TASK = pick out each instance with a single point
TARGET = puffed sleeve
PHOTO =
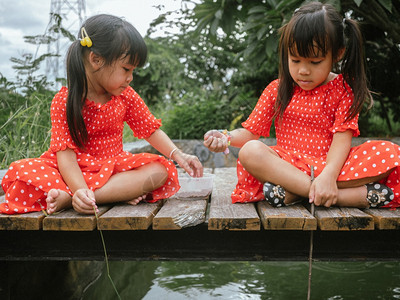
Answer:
(60, 136)
(346, 98)
(138, 116)
(260, 120)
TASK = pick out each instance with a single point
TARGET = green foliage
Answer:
(256, 24)
(26, 133)
(191, 119)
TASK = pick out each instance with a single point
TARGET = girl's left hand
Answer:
(190, 163)
(83, 201)
(324, 190)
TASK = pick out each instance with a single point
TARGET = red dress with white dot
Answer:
(304, 135)
(28, 181)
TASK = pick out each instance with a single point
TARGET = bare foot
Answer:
(139, 199)
(57, 200)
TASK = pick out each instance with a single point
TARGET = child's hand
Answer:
(215, 141)
(190, 163)
(83, 201)
(324, 191)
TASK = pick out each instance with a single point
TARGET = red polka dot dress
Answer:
(28, 181)
(305, 134)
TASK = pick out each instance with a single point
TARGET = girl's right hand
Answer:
(84, 202)
(215, 141)
(190, 163)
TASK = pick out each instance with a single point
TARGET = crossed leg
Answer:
(129, 186)
(264, 164)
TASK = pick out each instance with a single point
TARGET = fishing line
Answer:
(106, 256)
(311, 244)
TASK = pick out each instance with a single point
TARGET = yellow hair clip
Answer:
(85, 41)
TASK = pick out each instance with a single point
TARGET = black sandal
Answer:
(378, 194)
(274, 194)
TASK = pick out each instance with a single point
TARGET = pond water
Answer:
(247, 280)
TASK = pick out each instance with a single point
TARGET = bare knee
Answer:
(157, 175)
(253, 151)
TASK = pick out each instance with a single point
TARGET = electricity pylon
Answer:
(66, 16)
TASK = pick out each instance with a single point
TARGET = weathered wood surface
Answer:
(214, 229)
(385, 218)
(177, 214)
(129, 217)
(294, 217)
(218, 213)
(29, 221)
(70, 220)
(339, 219)
(224, 215)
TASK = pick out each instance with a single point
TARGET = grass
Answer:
(26, 133)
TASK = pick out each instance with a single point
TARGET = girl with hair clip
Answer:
(316, 114)
(85, 164)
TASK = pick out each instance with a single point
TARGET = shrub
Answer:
(191, 119)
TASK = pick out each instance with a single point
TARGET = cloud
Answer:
(27, 16)
(19, 18)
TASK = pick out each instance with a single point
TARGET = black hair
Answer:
(319, 27)
(113, 38)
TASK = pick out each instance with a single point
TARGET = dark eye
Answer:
(295, 61)
(316, 62)
(126, 69)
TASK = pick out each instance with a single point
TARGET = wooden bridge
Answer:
(210, 228)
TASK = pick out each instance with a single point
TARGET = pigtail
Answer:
(286, 83)
(109, 37)
(77, 93)
(353, 67)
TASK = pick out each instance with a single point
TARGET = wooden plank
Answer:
(27, 221)
(70, 220)
(129, 217)
(343, 219)
(179, 213)
(185, 209)
(224, 215)
(384, 218)
(293, 217)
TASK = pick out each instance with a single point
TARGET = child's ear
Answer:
(340, 54)
(96, 61)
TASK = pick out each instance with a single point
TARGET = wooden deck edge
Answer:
(128, 217)
(385, 218)
(294, 217)
(199, 243)
(343, 219)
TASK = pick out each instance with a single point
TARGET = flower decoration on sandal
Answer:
(274, 194)
(378, 194)
(86, 40)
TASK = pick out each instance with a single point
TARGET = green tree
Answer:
(254, 25)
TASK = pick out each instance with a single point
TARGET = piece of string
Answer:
(311, 244)
(106, 256)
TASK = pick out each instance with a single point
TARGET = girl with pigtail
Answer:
(316, 115)
(85, 164)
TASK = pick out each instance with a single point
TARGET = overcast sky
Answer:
(19, 18)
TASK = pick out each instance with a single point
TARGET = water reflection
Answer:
(249, 280)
